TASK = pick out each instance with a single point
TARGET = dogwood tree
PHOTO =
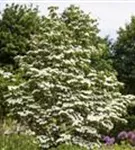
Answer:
(64, 98)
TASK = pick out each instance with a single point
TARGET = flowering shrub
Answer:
(5, 81)
(64, 98)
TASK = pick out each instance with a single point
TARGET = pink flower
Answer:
(122, 135)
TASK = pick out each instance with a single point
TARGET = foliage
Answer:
(123, 146)
(21, 142)
(124, 55)
(18, 142)
(64, 99)
(7, 79)
(17, 24)
(68, 147)
(130, 125)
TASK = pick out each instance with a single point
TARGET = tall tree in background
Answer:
(17, 24)
(124, 56)
(124, 63)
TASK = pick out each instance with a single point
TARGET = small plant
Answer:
(124, 140)
(109, 140)
(128, 137)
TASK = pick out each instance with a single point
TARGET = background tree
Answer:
(65, 98)
(124, 62)
(17, 24)
(124, 56)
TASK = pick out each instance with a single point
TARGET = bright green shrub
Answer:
(64, 98)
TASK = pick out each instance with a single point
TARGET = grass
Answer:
(23, 142)
(113, 147)
(68, 147)
(118, 147)
(18, 142)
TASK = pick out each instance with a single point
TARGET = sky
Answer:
(111, 14)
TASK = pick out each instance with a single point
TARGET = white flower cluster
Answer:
(5, 75)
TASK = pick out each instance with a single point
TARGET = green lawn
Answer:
(17, 142)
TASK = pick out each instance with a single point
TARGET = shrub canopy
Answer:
(64, 98)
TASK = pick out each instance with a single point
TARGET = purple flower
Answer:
(130, 134)
(122, 135)
(108, 140)
(111, 141)
(132, 139)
